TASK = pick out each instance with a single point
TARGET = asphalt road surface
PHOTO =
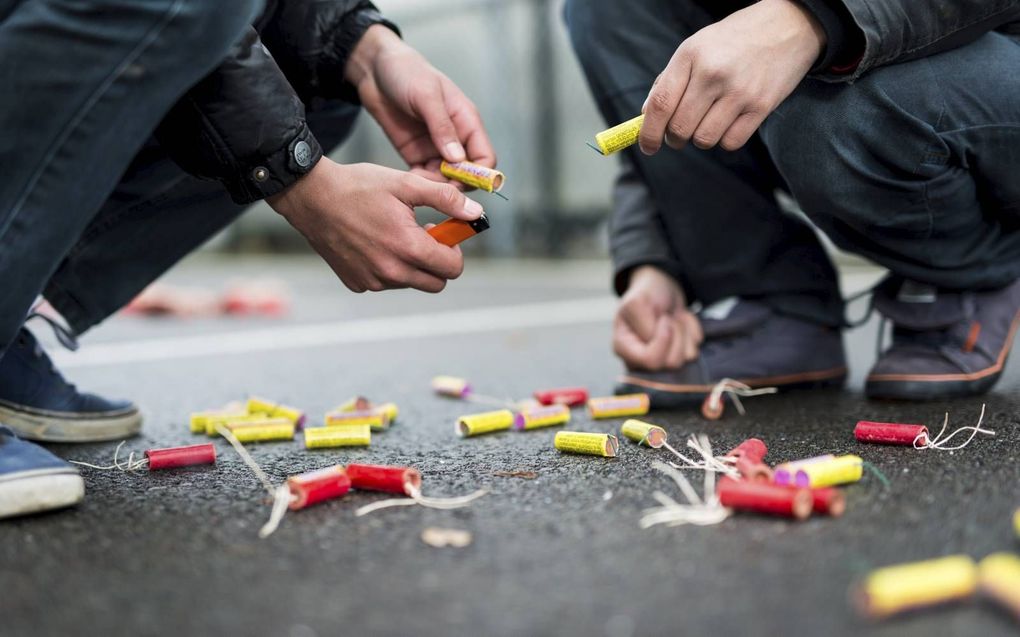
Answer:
(177, 553)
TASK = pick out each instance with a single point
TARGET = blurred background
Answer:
(513, 59)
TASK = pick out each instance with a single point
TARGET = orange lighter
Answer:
(453, 231)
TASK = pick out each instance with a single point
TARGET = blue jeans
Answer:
(91, 209)
(914, 166)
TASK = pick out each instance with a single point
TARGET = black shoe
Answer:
(944, 344)
(753, 345)
(38, 404)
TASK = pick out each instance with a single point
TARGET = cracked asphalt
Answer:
(176, 552)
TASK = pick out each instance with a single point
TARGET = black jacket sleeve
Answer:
(315, 65)
(636, 232)
(244, 124)
(880, 32)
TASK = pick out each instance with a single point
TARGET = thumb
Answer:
(432, 108)
(444, 197)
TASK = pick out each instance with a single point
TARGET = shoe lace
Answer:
(930, 338)
(64, 335)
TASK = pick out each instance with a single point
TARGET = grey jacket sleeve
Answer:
(900, 30)
(636, 232)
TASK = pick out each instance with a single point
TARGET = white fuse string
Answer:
(281, 495)
(708, 463)
(735, 389)
(415, 497)
(923, 441)
(128, 465)
(697, 511)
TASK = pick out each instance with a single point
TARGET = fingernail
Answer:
(644, 105)
(472, 207)
(455, 151)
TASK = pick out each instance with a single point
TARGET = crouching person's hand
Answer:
(653, 329)
(360, 219)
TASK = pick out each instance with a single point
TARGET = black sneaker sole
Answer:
(53, 426)
(668, 396)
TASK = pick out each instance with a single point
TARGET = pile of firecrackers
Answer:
(738, 481)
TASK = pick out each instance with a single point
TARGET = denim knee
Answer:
(854, 152)
(204, 31)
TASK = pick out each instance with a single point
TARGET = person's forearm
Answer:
(376, 39)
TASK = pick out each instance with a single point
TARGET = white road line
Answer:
(408, 326)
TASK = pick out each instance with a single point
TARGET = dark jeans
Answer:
(91, 209)
(915, 166)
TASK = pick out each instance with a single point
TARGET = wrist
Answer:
(376, 39)
(807, 30)
(650, 275)
(287, 201)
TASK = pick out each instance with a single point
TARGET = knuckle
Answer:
(660, 102)
(730, 143)
(679, 129)
(449, 197)
(391, 274)
(705, 140)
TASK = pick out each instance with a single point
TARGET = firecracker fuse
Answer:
(895, 589)
(763, 497)
(619, 406)
(474, 175)
(189, 456)
(620, 136)
(999, 579)
(644, 433)
(889, 433)
(486, 423)
(370, 477)
(569, 396)
(276, 410)
(542, 416)
(592, 444)
(374, 417)
(454, 231)
(343, 436)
